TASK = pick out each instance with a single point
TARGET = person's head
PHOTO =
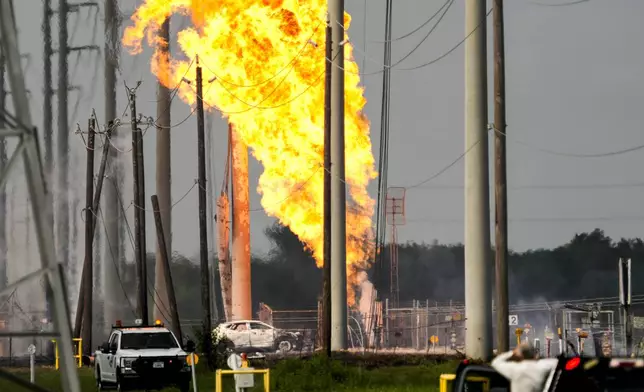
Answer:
(524, 351)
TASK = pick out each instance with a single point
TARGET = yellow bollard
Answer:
(78, 356)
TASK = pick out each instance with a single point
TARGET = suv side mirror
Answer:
(105, 348)
(190, 346)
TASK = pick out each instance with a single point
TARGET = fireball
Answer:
(263, 67)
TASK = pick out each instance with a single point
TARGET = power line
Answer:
(547, 186)
(256, 106)
(446, 7)
(560, 4)
(559, 153)
(444, 169)
(574, 155)
(437, 59)
(113, 257)
(537, 219)
(414, 31)
(290, 64)
(147, 277)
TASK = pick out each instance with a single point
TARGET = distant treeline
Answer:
(286, 278)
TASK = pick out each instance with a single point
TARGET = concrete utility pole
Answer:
(114, 298)
(338, 189)
(203, 235)
(241, 269)
(500, 182)
(139, 212)
(164, 181)
(88, 271)
(478, 295)
(3, 190)
(34, 176)
(326, 290)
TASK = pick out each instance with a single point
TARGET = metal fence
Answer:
(439, 327)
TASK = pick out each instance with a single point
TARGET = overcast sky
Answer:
(574, 86)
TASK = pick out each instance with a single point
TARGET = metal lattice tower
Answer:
(20, 126)
(395, 210)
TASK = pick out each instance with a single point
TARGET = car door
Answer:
(261, 335)
(114, 347)
(239, 334)
(108, 365)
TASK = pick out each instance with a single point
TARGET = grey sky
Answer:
(574, 85)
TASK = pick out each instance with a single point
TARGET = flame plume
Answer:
(264, 60)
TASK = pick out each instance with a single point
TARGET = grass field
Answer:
(312, 375)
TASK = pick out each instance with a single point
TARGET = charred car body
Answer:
(244, 335)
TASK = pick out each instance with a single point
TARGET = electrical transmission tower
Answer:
(20, 126)
(395, 210)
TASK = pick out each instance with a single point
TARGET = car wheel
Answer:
(285, 344)
(120, 384)
(97, 376)
(225, 347)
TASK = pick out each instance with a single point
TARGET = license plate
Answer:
(157, 365)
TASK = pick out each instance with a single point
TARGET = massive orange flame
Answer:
(263, 65)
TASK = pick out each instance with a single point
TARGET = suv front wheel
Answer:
(121, 384)
(97, 376)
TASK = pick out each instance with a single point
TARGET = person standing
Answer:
(521, 367)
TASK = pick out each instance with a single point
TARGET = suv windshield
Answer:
(142, 340)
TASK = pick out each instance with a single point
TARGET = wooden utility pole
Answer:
(62, 142)
(63, 228)
(172, 300)
(163, 177)
(500, 184)
(96, 203)
(139, 212)
(48, 94)
(203, 235)
(326, 290)
(88, 270)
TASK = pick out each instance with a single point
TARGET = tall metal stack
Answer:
(241, 291)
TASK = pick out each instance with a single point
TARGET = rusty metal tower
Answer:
(395, 211)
